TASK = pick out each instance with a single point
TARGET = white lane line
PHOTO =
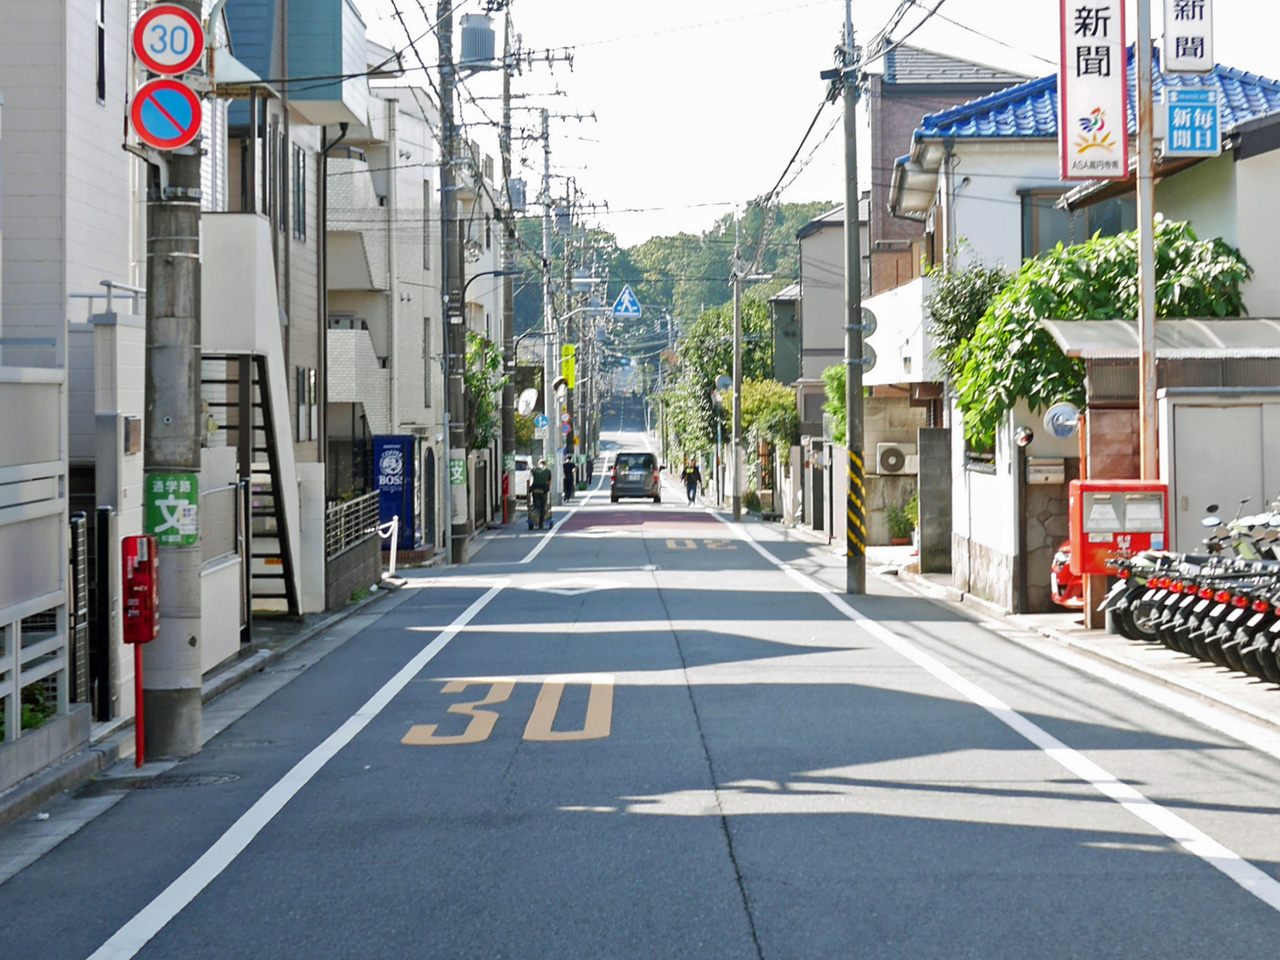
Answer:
(134, 935)
(1262, 885)
(546, 537)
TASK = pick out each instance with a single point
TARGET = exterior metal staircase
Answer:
(238, 391)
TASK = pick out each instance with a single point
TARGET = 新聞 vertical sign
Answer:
(1092, 97)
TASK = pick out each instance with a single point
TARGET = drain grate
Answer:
(165, 781)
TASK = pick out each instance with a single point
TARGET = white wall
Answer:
(1206, 196)
(822, 304)
(902, 336)
(67, 184)
(987, 210)
(1258, 216)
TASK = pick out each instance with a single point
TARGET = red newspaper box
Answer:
(141, 596)
(1116, 518)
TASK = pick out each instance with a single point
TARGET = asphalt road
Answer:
(654, 734)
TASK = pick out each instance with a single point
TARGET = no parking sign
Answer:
(166, 114)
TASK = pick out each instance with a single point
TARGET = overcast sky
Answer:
(700, 103)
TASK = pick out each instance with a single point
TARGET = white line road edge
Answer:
(1255, 881)
(134, 935)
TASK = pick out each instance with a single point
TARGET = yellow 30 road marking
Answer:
(597, 725)
(599, 722)
(693, 545)
(482, 721)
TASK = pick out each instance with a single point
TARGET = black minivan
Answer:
(635, 475)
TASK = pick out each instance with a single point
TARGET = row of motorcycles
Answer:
(1222, 605)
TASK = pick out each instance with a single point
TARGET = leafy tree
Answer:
(524, 433)
(833, 383)
(483, 379)
(705, 352)
(1010, 357)
(958, 302)
(769, 412)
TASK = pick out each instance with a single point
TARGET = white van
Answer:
(524, 470)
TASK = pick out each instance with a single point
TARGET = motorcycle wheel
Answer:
(1182, 633)
(1166, 625)
(1142, 618)
(1251, 652)
(1232, 648)
(1213, 643)
(1269, 659)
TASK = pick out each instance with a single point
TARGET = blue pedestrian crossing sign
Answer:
(626, 307)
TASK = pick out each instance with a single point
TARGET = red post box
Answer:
(1116, 518)
(141, 597)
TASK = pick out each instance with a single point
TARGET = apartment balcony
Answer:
(357, 375)
(356, 222)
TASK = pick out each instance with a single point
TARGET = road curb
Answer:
(72, 771)
(951, 595)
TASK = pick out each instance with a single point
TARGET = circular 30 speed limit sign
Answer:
(168, 39)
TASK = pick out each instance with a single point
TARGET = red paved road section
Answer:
(639, 520)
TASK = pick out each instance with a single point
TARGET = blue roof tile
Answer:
(1031, 109)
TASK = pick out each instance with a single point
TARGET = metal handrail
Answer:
(138, 293)
(348, 523)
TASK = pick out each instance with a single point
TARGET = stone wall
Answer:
(982, 571)
(935, 500)
(356, 568)
(1047, 527)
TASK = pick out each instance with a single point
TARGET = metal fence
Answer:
(346, 524)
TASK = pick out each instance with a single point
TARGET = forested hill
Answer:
(682, 274)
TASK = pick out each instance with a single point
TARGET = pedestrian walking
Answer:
(692, 477)
(539, 490)
(570, 480)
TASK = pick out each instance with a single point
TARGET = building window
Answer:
(299, 194)
(1044, 226)
(307, 404)
(282, 157)
(102, 51)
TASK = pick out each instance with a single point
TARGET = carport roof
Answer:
(1175, 339)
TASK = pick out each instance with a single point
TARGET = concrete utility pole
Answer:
(1147, 426)
(855, 505)
(735, 442)
(171, 686)
(508, 288)
(550, 404)
(455, 330)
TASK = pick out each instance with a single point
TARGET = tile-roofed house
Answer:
(983, 178)
(1031, 109)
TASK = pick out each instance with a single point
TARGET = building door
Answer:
(1217, 458)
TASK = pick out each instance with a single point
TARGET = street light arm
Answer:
(487, 273)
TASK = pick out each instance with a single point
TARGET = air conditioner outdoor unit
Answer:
(897, 458)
